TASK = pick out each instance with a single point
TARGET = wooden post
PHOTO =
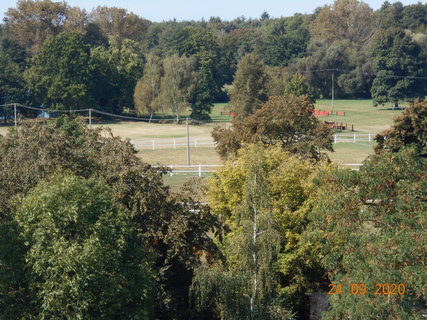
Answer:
(14, 111)
(154, 145)
(188, 142)
(90, 118)
(200, 170)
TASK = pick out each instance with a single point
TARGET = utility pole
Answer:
(14, 111)
(333, 78)
(90, 118)
(188, 142)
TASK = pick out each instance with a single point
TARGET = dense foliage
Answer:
(173, 228)
(263, 198)
(286, 121)
(410, 128)
(371, 229)
(364, 53)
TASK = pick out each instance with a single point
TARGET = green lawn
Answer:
(360, 113)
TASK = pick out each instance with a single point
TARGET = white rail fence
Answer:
(176, 143)
(200, 169)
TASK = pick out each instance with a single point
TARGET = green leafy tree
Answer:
(285, 40)
(61, 74)
(371, 225)
(119, 67)
(249, 88)
(147, 88)
(177, 83)
(296, 85)
(175, 229)
(98, 270)
(12, 84)
(395, 59)
(410, 128)
(285, 121)
(263, 198)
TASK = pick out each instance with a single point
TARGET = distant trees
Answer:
(177, 83)
(61, 74)
(396, 58)
(249, 87)
(334, 41)
(147, 89)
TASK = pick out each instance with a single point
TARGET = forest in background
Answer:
(64, 57)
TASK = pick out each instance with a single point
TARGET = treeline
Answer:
(64, 57)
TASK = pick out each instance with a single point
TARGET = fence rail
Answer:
(176, 143)
(199, 169)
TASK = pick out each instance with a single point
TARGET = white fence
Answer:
(199, 169)
(155, 144)
(354, 137)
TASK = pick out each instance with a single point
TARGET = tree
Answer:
(284, 121)
(350, 20)
(61, 74)
(33, 22)
(119, 67)
(285, 40)
(249, 88)
(263, 198)
(296, 85)
(148, 87)
(119, 23)
(370, 225)
(12, 84)
(177, 83)
(396, 59)
(99, 270)
(410, 128)
(175, 229)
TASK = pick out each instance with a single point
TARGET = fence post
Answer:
(335, 138)
(154, 146)
(174, 143)
(369, 138)
(171, 167)
(195, 143)
(354, 138)
(14, 111)
(200, 170)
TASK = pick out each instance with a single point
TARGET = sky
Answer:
(161, 10)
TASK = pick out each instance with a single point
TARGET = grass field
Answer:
(360, 113)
